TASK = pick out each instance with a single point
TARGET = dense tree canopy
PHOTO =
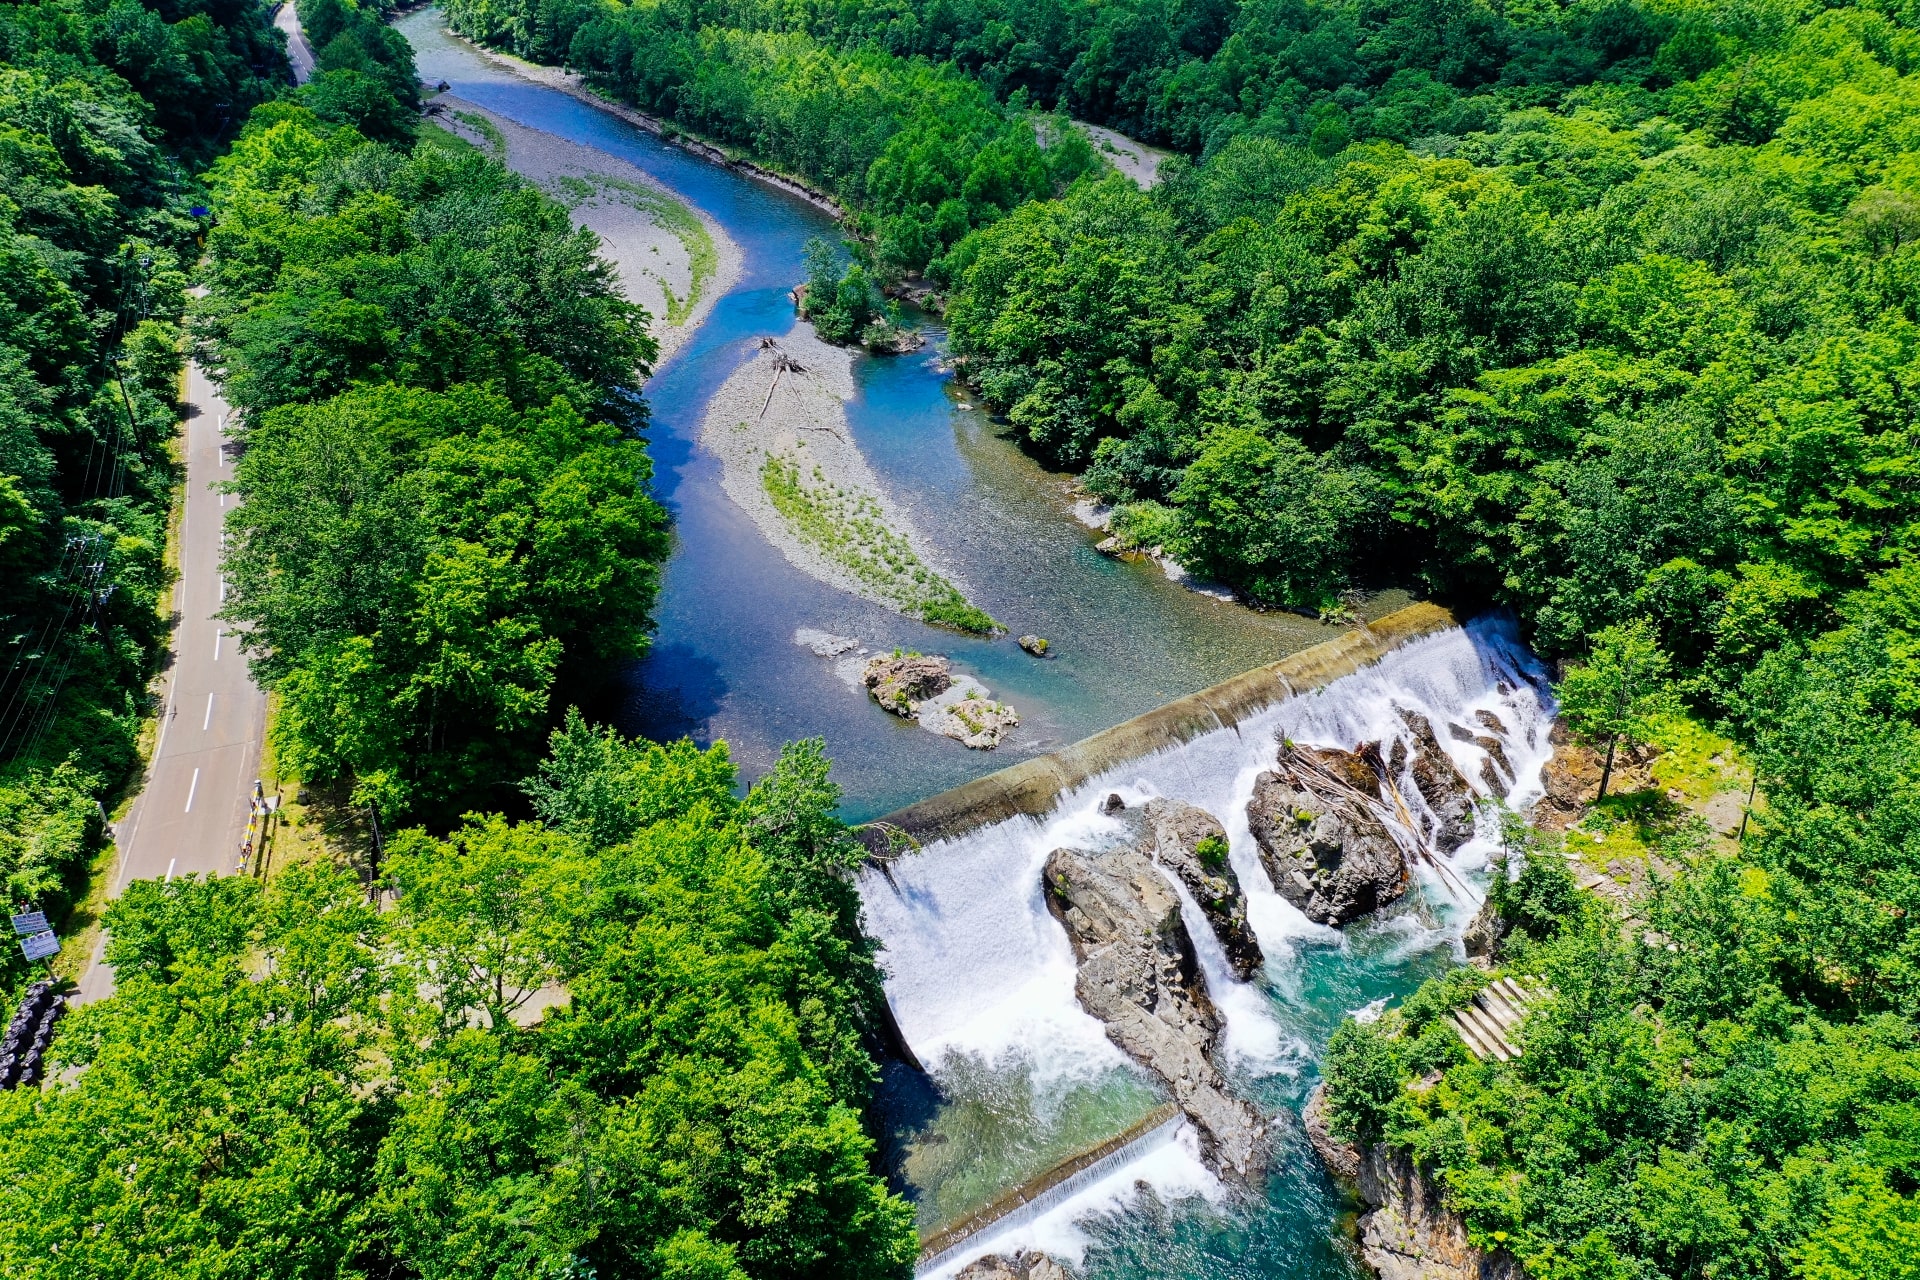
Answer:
(1730, 1085)
(363, 72)
(1601, 311)
(631, 1041)
(104, 111)
(918, 151)
(1192, 74)
(1625, 355)
(445, 500)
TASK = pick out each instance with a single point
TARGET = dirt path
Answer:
(1137, 160)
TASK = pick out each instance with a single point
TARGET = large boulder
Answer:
(1496, 771)
(1192, 844)
(1440, 783)
(1023, 1265)
(968, 714)
(900, 682)
(1325, 849)
(1485, 932)
(1139, 976)
(1571, 778)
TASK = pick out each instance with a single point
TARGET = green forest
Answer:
(1600, 312)
(1604, 313)
(446, 517)
(445, 495)
(106, 114)
(290, 1082)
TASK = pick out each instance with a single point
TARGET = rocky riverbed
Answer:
(779, 428)
(920, 687)
(926, 688)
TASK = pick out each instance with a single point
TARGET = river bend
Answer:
(979, 977)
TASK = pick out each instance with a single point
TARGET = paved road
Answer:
(299, 52)
(193, 812)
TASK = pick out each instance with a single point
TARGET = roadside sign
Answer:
(40, 946)
(28, 923)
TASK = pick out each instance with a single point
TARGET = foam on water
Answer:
(1252, 1036)
(977, 967)
(1172, 1168)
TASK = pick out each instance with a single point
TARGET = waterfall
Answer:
(979, 973)
(1252, 1035)
(1005, 1227)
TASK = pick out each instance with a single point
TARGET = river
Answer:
(724, 665)
(974, 964)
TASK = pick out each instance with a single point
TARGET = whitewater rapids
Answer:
(980, 976)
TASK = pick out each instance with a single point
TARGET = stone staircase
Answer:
(1488, 1024)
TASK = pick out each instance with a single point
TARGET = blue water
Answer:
(724, 665)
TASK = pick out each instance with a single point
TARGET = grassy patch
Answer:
(702, 258)
(314, 823)
(851, 530)
(1698, 763)
(446, 140)
(1699, 784)
(80, 932)
(495, 141)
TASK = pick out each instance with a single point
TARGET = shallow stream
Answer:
(980, 976)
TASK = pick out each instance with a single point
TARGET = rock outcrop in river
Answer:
(1440, 783)
(902, 681)
(1139, 975)
(1325, 848)
(1014, 1266)
(923, 687)
(1192, 844)
(969, 715)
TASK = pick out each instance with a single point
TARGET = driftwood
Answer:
(1311, 775)
(782, 363)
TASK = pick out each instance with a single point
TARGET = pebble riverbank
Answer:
(787, 406)
(664, 251)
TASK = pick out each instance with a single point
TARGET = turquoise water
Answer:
(724, 665)
(983, 985)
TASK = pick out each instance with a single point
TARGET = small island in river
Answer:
(779, 428)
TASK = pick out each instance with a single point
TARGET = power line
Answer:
(35, 694)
